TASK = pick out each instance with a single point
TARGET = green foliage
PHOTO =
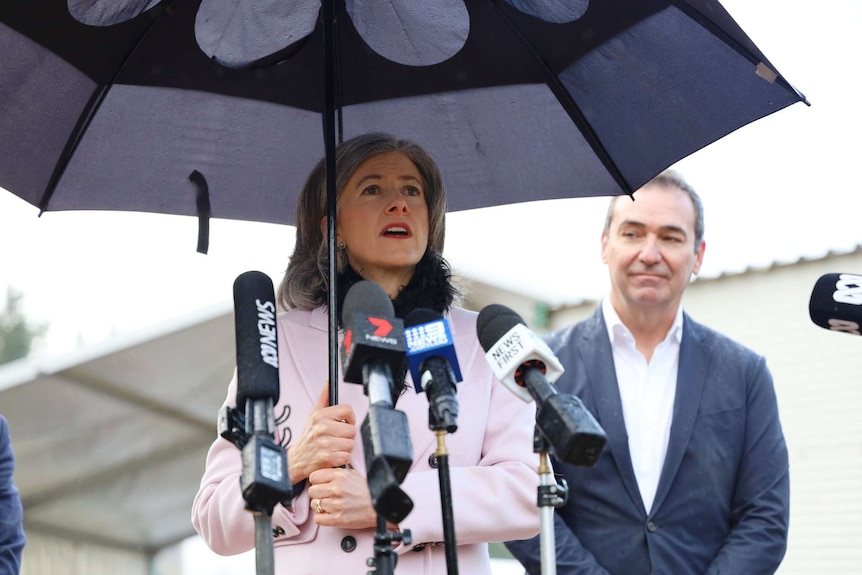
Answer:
(16, 334)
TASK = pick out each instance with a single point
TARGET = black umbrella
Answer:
(214, 107)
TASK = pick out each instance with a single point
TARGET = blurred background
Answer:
(117, 337)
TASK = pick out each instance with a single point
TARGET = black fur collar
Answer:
(430, 287)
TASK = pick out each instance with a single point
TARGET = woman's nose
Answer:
(397, 205)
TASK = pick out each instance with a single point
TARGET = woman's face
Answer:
(383, 219)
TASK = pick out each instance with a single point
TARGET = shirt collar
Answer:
(616, 327)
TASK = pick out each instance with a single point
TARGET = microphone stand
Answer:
(388, 456)
(264, 480)
(385, 559)
(450, 546)
(442, 418)
(550, 495)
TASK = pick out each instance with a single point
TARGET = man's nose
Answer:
(650, 252)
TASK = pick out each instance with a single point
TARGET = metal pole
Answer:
(451, 546)
(328, 10)
(547, 542)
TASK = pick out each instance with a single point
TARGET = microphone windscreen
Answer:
(368, 298)
(420, 315)
(256, 339)
(836, 303)
(494, 322)
(371, 332)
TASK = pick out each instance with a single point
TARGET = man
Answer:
(11, 515)
(694, 477)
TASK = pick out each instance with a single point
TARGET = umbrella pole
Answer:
(328, 11)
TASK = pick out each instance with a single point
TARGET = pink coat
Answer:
(492, 466)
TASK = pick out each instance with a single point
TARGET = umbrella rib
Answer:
(569, 105)
(83, 123)
(720, 33)
(72, 142)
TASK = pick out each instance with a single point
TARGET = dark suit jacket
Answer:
(11, 514)
(722, 504)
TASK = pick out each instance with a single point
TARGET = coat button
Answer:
(651, 527)
(348, 544)
(432, 461)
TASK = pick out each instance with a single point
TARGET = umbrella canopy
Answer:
(115, 105)
(220, 108)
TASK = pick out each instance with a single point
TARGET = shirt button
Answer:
(348, 544)
(651, 527)
(432, 461)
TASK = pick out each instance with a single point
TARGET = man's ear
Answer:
(698, 257)
(604, 247)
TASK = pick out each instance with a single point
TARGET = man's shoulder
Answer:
(715, 341)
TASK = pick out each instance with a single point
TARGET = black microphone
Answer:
(264, 480)
(256, 341)
(434, 366)
(373, 349)
(836, 303)
(528, 367)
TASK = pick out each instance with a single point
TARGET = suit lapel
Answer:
(691, 378)
(601, 378)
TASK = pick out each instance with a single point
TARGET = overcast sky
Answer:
(782, 188)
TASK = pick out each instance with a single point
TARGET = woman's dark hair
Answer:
(305, 282)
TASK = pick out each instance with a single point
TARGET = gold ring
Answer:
(318, 508)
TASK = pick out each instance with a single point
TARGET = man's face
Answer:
(650, 249)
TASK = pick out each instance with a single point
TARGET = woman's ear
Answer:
(324, 231)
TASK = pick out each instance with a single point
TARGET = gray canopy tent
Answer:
(110, 441)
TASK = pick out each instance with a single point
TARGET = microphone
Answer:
(256, 341)
(528, 367)
(434, 366)
(836, 303)
(264, 480)
(373, 349)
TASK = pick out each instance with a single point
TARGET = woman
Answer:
(390, 225)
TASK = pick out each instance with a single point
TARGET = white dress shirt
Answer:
(647, 392)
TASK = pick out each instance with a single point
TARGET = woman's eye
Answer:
(371, 190)
(412, 192)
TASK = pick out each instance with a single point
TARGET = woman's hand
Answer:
(326, 441)
(340, 498)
